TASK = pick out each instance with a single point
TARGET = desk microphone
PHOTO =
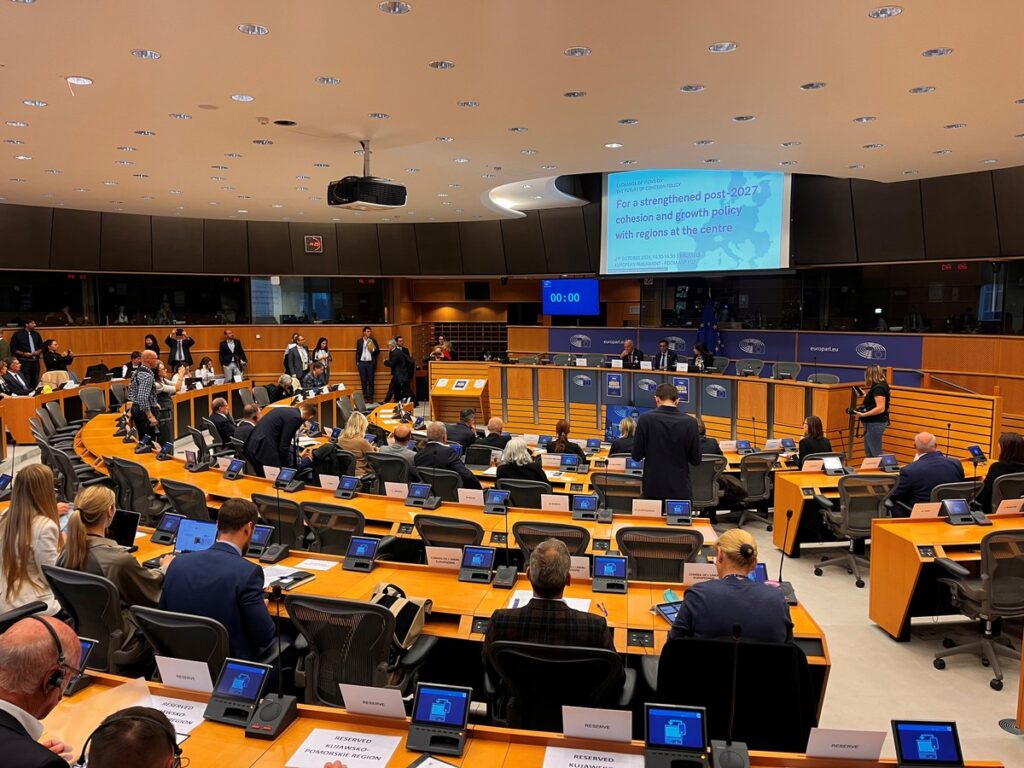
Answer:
(730, 754)
(948, 425)
(815, 369)
(787, 589)
(753, 426)
(276, 712)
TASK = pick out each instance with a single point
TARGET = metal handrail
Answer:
(947, 382)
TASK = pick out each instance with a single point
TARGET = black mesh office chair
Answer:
(60, 422)
(344, 410)
(997, 593)
(94, 605)
(719, 364)
(658, 554)
(438, 531)
(529, 534)
(528, 684)
(359, 402)
(1007, 487)
(964, 490)
(351, 642)
(187, 500)
(823, 378)
(13, 616)
(219, 447)
(68, 480)
(286, 517)
(749, 366)
(444, 483)
(135, 490)
(561, 359)
(184, 636)
(261, 396)
(756, 479)
(705, 492)
(524, 493)
(333, 525)
(390, 469)
(861, 500)
(783, 370)
(616, 492)
(118, 393)
(93, 401)
(203, 455)
(246, 396)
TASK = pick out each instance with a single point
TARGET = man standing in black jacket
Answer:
(27, 346)
(178, 344)
(668, 442)
(232, 356)
(367, 350)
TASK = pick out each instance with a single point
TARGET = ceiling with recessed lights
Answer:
(171, 108)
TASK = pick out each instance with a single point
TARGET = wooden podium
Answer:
(450, 394)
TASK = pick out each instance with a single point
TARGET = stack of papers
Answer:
(272, 573)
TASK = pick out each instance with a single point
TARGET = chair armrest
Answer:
(418, 653)
(823, 502)
(386, 542)
(953, 567)
(628, 688)
(490, 687)
(649, 666)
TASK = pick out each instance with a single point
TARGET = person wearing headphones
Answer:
(712, 608)
(38, 658)
(142, 737)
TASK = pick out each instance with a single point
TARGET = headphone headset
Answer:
(141, 717)
(56, 679)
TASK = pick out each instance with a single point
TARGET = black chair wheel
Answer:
(860, 583)
(948, 643)
(823, 558)
(984, 661)
(939, 663)
(769, 528)
(996, 685)
(849, 570)
(818, 571)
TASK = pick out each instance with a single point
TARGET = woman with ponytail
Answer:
(713, 608)
(562, 443)
(88, 549)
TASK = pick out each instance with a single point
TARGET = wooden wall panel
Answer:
(177, 244)
(75, 241)
(225, 247)
(398, 249)
(438, 248)
(269, 248)
(752, 400)
(126, 243)
(530, 340)
(303, 263)
(25, 236)
(358, 249)
(972, 420)
(960, 216)
(483, 252)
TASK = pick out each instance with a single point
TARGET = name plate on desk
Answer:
(396, 490)
(617, 464)
(223, 462)
(682, 367)
(445, 558)
(184, 673)
(645, 365)
(471, 496)
(853, 745)
(694, 573)
(347, 747)
(581, 362)
(553, 502)
(926, 509)
(330, 482)
(616, 362)
(367, 700)
(814, 465)
(559, 757)
(531, 439)
(603, 724)
(579, 566)
(871, 463)
(551, 460)
(1009, 507)
(271, 473)
(646, 508)
(727, 445)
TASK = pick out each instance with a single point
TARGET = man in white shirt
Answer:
(367, 350)
(38, 657)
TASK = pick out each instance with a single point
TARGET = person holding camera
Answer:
(873, 412)
(179, 343)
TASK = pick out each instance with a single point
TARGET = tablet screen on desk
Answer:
(789, 443)
(5, 481)
(677, 507)
(669, 611)
(441, 705)
(634, 464)
(236, 466)
(478, 558)
(926, 743)
(349, 482)
(954, 507)
(609, 567)
(363, 547)
(594, 443)
(832, 464)
(742, 445)
(261, 535)
(241, 680)
(419, 490)
(169, 522)
(582, 503)
(495, 498)
(679, 728)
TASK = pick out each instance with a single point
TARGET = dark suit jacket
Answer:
(710, 446)
(401, 365)
(20, 750)
(293, 363)
(172, 351)
(125, 371)
(225, 426)
(221, 585)
(243, 430)
(494, 441)
(656, 361)
(460, 433)
(531, 471)
(225, 356)
(567, 448)
(996, 470)
(13, 385)
(271, 442)
(441, 456)
(633, 361)
(373, 352)
(919, 477)
(668, 442)
(809, 445)
(549, 622)
(55, 361)
(622, 445)
(19, 343)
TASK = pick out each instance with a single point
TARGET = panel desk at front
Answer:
(531, 398)
(904, 573)
(225, 746)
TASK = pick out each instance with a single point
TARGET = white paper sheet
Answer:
(184, 715)
(559, 757)
(350, 748)
(312, 564)
(522, 596)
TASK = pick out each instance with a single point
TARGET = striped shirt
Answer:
(141, 391)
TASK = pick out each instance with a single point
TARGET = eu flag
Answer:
(708, 333)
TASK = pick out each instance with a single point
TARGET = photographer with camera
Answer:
(178, 344)
(873, 412)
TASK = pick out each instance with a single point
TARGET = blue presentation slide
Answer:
(694, 221)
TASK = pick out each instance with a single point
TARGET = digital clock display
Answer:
(570, 297)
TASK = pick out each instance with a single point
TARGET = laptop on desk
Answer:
(192, 536)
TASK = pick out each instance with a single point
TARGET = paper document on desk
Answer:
(310, 564)
(522, 596)
(272, 573)
(304, 442)
(351, 749)
(184, 715)
(559, 757)
(491, 472)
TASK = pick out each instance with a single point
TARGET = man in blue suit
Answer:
(918, 478)
(220, 584)
(271, 443)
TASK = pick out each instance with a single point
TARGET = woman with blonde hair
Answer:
(29, 539)
(712, 608)
(89, 550)
(624, 442)
(353, 439)
(874, 410)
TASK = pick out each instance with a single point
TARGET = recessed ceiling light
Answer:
(321, 165)
(790, 144)
(460, 160)
(314, 197)
(23, 157)
(218, 178)
(538, 197)
(412, 170)
(179, 207)
(467, 103)
(145, 53)
(126, 148)
(302, 189)
(455, 186)
(228, 189)
(865, 119)
(613, 145)
(518, 129)
(743, 118)
(934, 53)
(116, 202)
(302, 178)
(243, 97)
(955, 126)
(577, 51)
(219, 167)
(148, 197)
(446, 202)
(13, 141)
(988, 162)
(379, 115)
(19, 181)
(123, 162)
(23, 2)
(33, 103)
(442, 194)
(922, 89)
(548, 167)
(81, 189)
(910, 173)
(109, 183)
(242, 210)
(48, 194)
(257, 30)
(527, 151)
(487, 175)
(54, 171)
(711, 160)
(691, 88)
(262, 142)
(942, 151)
(245, 197)
(873, 146)
(704, 142)
(276, 205)
(817, 85)
(180, 116)
(628, 121)
(442, 64)
(327, 80)
(394, 7)
(231, 154)
(145, 133)
(140, 175)
(788, 162)
(78, 80)
(574, 94)
(285, 123)
(17, 124)
(174, 191)
(445, 139)
(855, 167)
(725, 46)
(627, 162)
(885, 12)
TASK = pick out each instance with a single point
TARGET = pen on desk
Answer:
(603, 609)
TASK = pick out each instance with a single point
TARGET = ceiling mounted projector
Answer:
(366, 192)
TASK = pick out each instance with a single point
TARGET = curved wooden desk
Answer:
(17, 410)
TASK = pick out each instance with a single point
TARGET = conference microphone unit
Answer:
(729, 753)
(505, 577)
(276, 712)
(948, 426)
(787, 589)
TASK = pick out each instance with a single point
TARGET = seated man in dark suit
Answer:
(14, 379)
(272, 441)
(125, 371)
(928, 470)
(546, 619)
(222, 420)
(494, 438)
(665, 360)
(31, 657)
(437, 454)
(250, 416)
(220, 584)
(464, 432)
